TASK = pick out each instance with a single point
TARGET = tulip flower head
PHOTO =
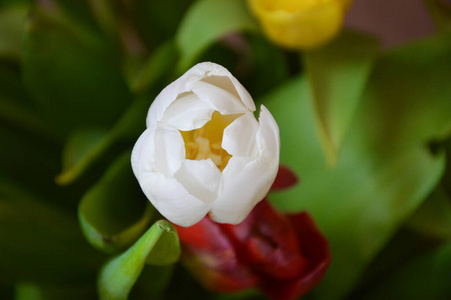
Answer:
(203, 151)
(300, 24)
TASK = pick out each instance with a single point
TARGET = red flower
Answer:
(284, 256)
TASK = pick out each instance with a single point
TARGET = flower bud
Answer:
(203, 150)
(284, 256)
(300, 24)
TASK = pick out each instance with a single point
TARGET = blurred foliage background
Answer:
(366, 127)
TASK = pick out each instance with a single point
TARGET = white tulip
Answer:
(203, 150)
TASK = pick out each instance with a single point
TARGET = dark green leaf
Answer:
(118, 276)
(40, 243)
(157, 66)
(338, 74)
(385, 169)
(207, 21)
(113, 214)
(426, 277)
(433, 217)
(87, 146)
(12, 24)
(73, 74)
(29, 291)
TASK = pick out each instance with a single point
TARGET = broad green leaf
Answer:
(205, 22)
(74, 75)
(41, 243)
(338, 74)
(433, 217)
(113, 214)
(385, 169)
(426, 277)
(31, 291)
(12, 24)
(86, 147)
(118, 275)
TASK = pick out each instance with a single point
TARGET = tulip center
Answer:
(205, 142)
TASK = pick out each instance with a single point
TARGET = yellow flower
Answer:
(300, 24)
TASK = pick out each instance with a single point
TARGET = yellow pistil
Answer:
(205, 142)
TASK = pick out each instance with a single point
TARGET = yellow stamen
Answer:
(205, 142)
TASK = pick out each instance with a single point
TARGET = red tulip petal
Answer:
(268, 243)
(285, 178)
(315, 249)
(212, 258)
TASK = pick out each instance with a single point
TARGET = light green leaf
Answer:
(114, 213)
(41, 243)
(385, 169)
(207, 21)
(433, 217)
(118, 275)
(74, 75)
(426, 277)
(338, 74)
(12, 24)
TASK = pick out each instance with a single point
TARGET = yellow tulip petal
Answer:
(299, 24)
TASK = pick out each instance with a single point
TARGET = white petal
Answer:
(268, 139)
(219, 99)
(143, 152)
(188, 112)
(245, 183)
(184, 84)
(239, 138)
(172, 200)
(213, 73)
(169, 150)
(201, 178)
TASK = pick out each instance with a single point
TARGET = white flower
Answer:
(203, 150)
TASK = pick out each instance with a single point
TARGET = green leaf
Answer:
(12, 24)
(206, 22)
(113, 214)
(31, 291)
(338, 74)
(87, 146)
(118, 275)
(385, 169)
(152, 282)
(78, 152)
(426, 277)
(16, 108)
(157, 66)
(41, 243)
(30, 161)
(74, 75)
(433, 217)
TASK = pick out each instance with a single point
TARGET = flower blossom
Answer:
(300, 24)
(203, 151)
(284, 256)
